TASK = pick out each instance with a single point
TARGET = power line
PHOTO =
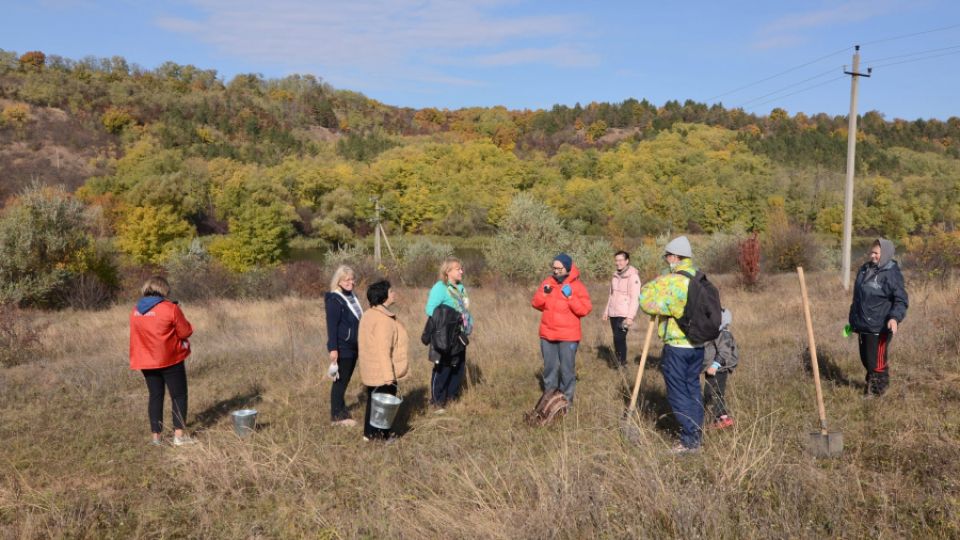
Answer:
(801, 90)
(916, 59)
(912, 54)
(805, 64)
(904, 36)
(829, 55)
(789, 86)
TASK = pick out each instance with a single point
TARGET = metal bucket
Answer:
(244, 421)
(383, 409)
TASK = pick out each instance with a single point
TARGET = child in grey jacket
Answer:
(720, 357)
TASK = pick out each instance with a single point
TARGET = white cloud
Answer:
(790, 30)
(416, 40)
(561, 56)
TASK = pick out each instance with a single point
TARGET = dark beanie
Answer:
(565, 260)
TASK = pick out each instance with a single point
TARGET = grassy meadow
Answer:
(75, 463)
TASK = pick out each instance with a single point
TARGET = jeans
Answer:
(559, 369)
(619, 340)
(446, 379)
(681, 373)
(338, 406)
(175, 379)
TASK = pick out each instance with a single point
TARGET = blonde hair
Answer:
(156, 286)
(341, 272)
(445, 267)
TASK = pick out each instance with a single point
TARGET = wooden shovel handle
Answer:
(813, 352)
(643, 362)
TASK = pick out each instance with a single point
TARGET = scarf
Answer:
(463, 306)
(352, 303)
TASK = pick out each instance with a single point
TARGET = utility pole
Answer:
(376, 232)
(851, 163)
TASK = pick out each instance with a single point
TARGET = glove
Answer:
(334, 371)
(547, 289)
(566, 290)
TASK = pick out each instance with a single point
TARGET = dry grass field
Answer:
(75, 463)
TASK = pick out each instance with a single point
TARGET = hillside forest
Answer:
(107, 167)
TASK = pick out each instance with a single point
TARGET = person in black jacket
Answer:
(343, 322)
(879, 306)
(450, 365)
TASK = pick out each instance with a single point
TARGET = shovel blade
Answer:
(826, 445)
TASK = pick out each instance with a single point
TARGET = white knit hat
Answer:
(679, 246)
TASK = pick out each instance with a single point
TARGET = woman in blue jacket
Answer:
(343, 322)
(879, 306)
(449, 369)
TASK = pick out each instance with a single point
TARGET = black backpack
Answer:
(701, 316)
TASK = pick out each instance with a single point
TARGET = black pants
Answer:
(873, 356)
(338, 406)
(713, 393)
(369, 431)
(619, 340)
(174, 378)
(446, 379)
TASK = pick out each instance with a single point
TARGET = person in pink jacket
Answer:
(623, 303)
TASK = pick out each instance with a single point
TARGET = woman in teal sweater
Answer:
(448, 371)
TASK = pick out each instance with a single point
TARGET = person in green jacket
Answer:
(448, 371)
(681, 361)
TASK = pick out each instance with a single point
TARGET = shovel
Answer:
(822, 443)
(630, 429)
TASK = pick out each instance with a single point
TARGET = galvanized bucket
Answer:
(244, 421)
(383, 409)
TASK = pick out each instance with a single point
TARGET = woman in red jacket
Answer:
(159, 344)
(564, 300)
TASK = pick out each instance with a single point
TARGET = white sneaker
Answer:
(186, 440)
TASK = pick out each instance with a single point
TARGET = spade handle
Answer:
(813, 352)
(643, 362)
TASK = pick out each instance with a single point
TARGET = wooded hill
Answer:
(258, 161)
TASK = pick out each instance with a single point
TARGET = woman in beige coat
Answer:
(383, 351)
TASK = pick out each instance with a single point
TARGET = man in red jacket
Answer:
(564, 300)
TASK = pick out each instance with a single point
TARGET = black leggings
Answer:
(175, 379)
(338, 406)
(619, 339)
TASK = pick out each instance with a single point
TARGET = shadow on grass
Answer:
(652, 402)
(212, 414)
(473, 376)
(829, 370)
(415, 403)
(654, 361)
(608, 356)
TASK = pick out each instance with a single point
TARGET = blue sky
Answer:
(528, 54)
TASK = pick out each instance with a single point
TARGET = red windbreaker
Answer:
(561, 315)
(158, 338)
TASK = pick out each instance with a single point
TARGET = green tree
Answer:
(259, 236)
(42, 236)
(114, 120)
(529, 235)
(149, 234)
